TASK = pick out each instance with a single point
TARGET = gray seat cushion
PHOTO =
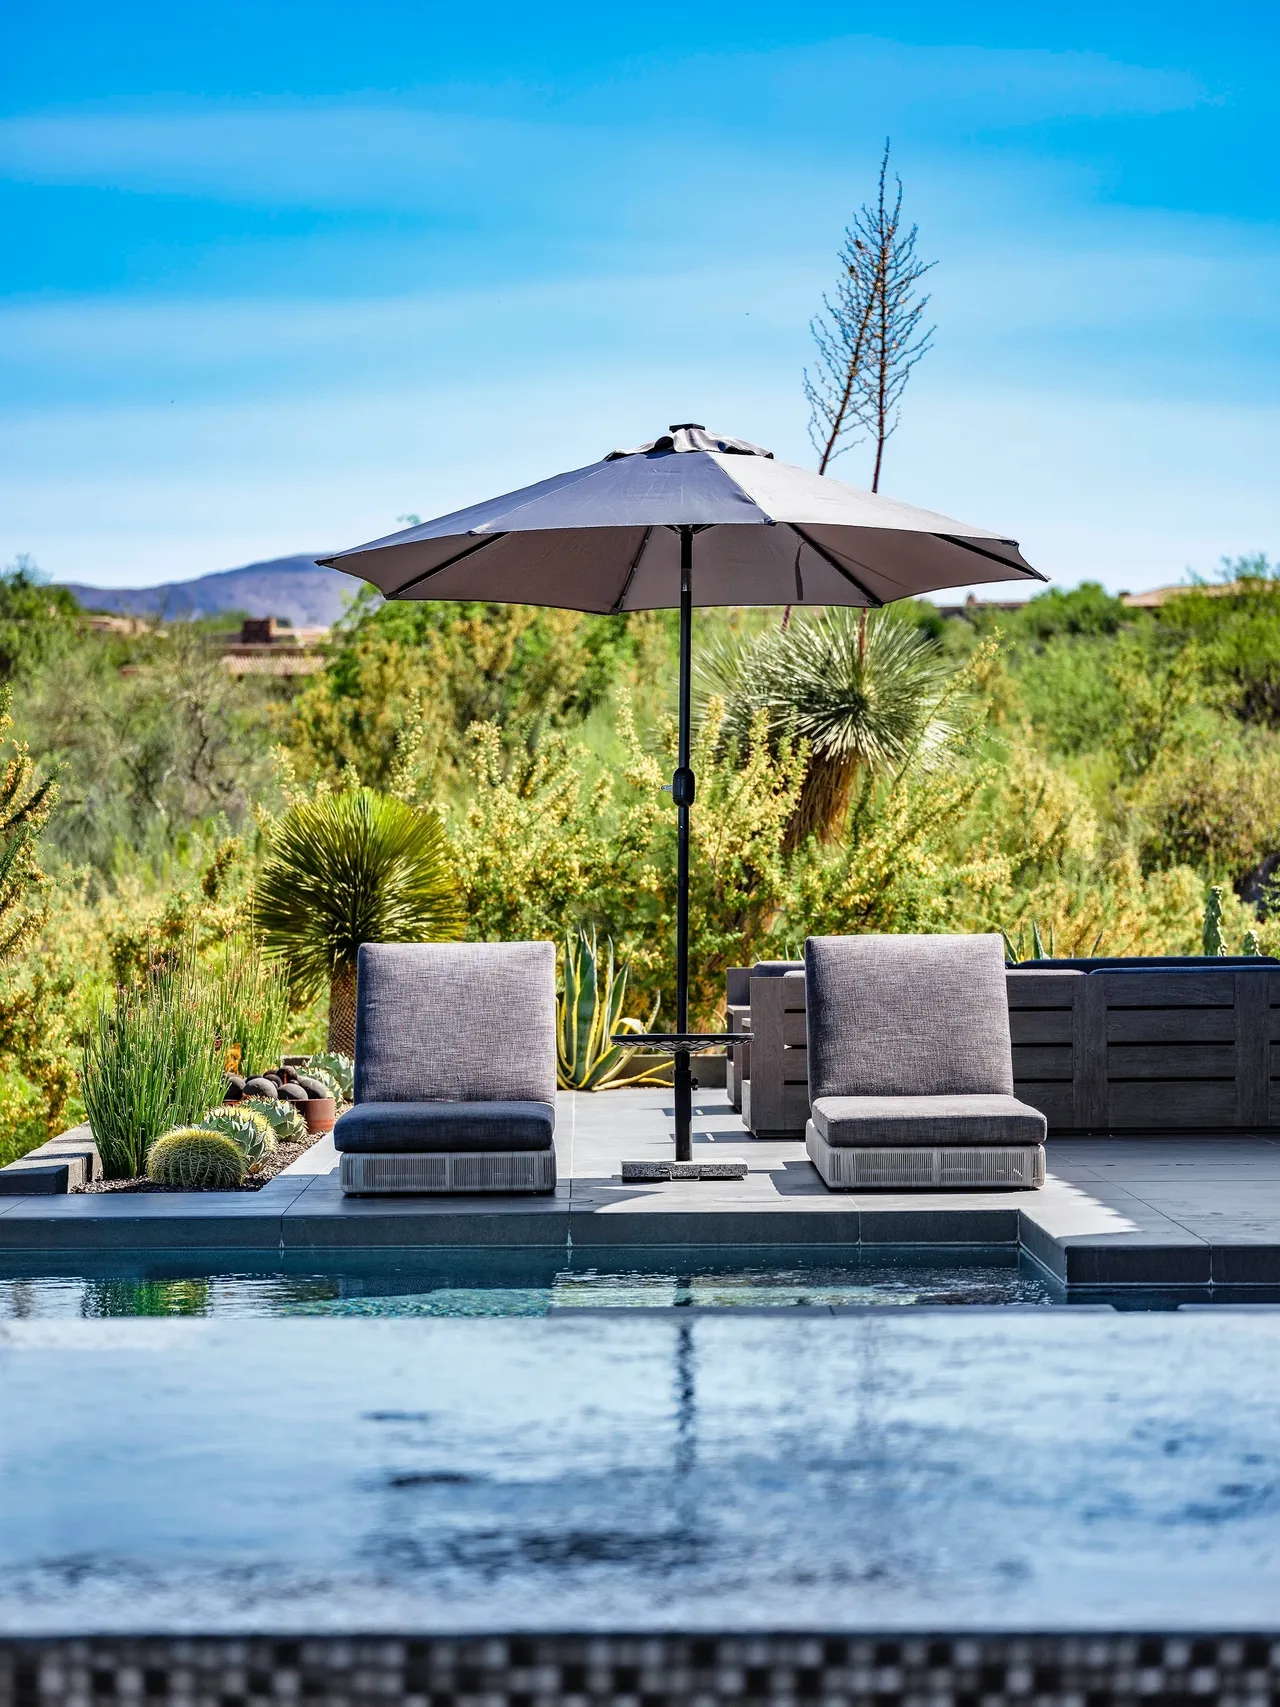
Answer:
(907, 1016)
(903, 1122)
(426, 1127)
(456, 1022)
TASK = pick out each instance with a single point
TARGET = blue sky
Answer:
(273, 276)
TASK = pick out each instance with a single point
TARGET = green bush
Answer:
(193, 1159)
(151, 1062)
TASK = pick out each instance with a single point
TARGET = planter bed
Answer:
(276, 1163)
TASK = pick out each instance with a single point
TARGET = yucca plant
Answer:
(152, 1061)
(350, 868)
(866, 695)
(589, 1012)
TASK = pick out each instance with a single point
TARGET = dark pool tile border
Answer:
(709, 1669)
(959, 1226)
(592, 1228)
(1245, 1264)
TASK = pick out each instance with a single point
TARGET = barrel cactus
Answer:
(283, 1117)
(340, 1069)
(192, 1159)
(250, 1129)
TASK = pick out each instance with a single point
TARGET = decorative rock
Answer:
(313, 1087)
(261, 1087)
(293, 1093)
(234, 1091)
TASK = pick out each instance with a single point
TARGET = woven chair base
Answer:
(1009, 1167)
(374, 1173)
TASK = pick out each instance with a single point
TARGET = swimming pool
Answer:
(480, 1283)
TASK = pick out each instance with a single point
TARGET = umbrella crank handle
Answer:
(681, 787)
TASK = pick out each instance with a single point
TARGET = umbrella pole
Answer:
(682, 792)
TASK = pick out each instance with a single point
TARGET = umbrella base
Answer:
(729, 1167)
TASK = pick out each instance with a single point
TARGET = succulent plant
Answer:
(285, 1120)
(193, 1159)
(248, 1127)
(262, 1087)
(340, 1068)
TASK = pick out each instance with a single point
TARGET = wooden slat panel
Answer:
(1171, 1061)
(786, 1115)
(1041, 989)
(1275, 1025)
(1053, 1101)
(1040, 1025)
(795, 1033)
(1253, 1049)
(1273, 1104)
(1156, 1105)
(793, 992)
(795, 1066)
(1166, 989)
(1043, 1061)
(1171, 1025)
(1090, 1044)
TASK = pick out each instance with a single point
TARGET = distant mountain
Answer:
(293, 588)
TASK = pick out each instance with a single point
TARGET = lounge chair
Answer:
(455, 1080)
(910, 1067)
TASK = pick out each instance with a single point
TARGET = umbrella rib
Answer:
(417, 580)
(994, 556)
(617, 604)
(828, 557)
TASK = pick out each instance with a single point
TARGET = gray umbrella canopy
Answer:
(606, 538)
(619, 535)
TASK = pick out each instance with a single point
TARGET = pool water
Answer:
(493, 1283)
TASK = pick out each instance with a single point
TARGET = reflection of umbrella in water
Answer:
(618, 536)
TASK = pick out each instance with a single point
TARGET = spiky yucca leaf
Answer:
(350, 868)
(866, 696)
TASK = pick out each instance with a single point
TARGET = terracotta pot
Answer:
(319, 1113)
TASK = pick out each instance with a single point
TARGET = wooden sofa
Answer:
(1112, 1049)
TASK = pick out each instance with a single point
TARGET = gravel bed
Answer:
(273, 1164)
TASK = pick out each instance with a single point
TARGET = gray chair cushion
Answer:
(907, 1016)
(423, 1127)
(456, 1022)
(906, 1122)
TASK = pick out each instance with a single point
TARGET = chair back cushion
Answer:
(456, 1022)
(907, 1016)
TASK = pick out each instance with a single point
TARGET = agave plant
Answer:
(867, 693)
(350, 868)
(339, 1070)
(589, 1012)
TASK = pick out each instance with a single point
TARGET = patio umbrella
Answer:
(619, 535)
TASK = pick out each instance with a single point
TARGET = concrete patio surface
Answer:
(1149, 1212)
